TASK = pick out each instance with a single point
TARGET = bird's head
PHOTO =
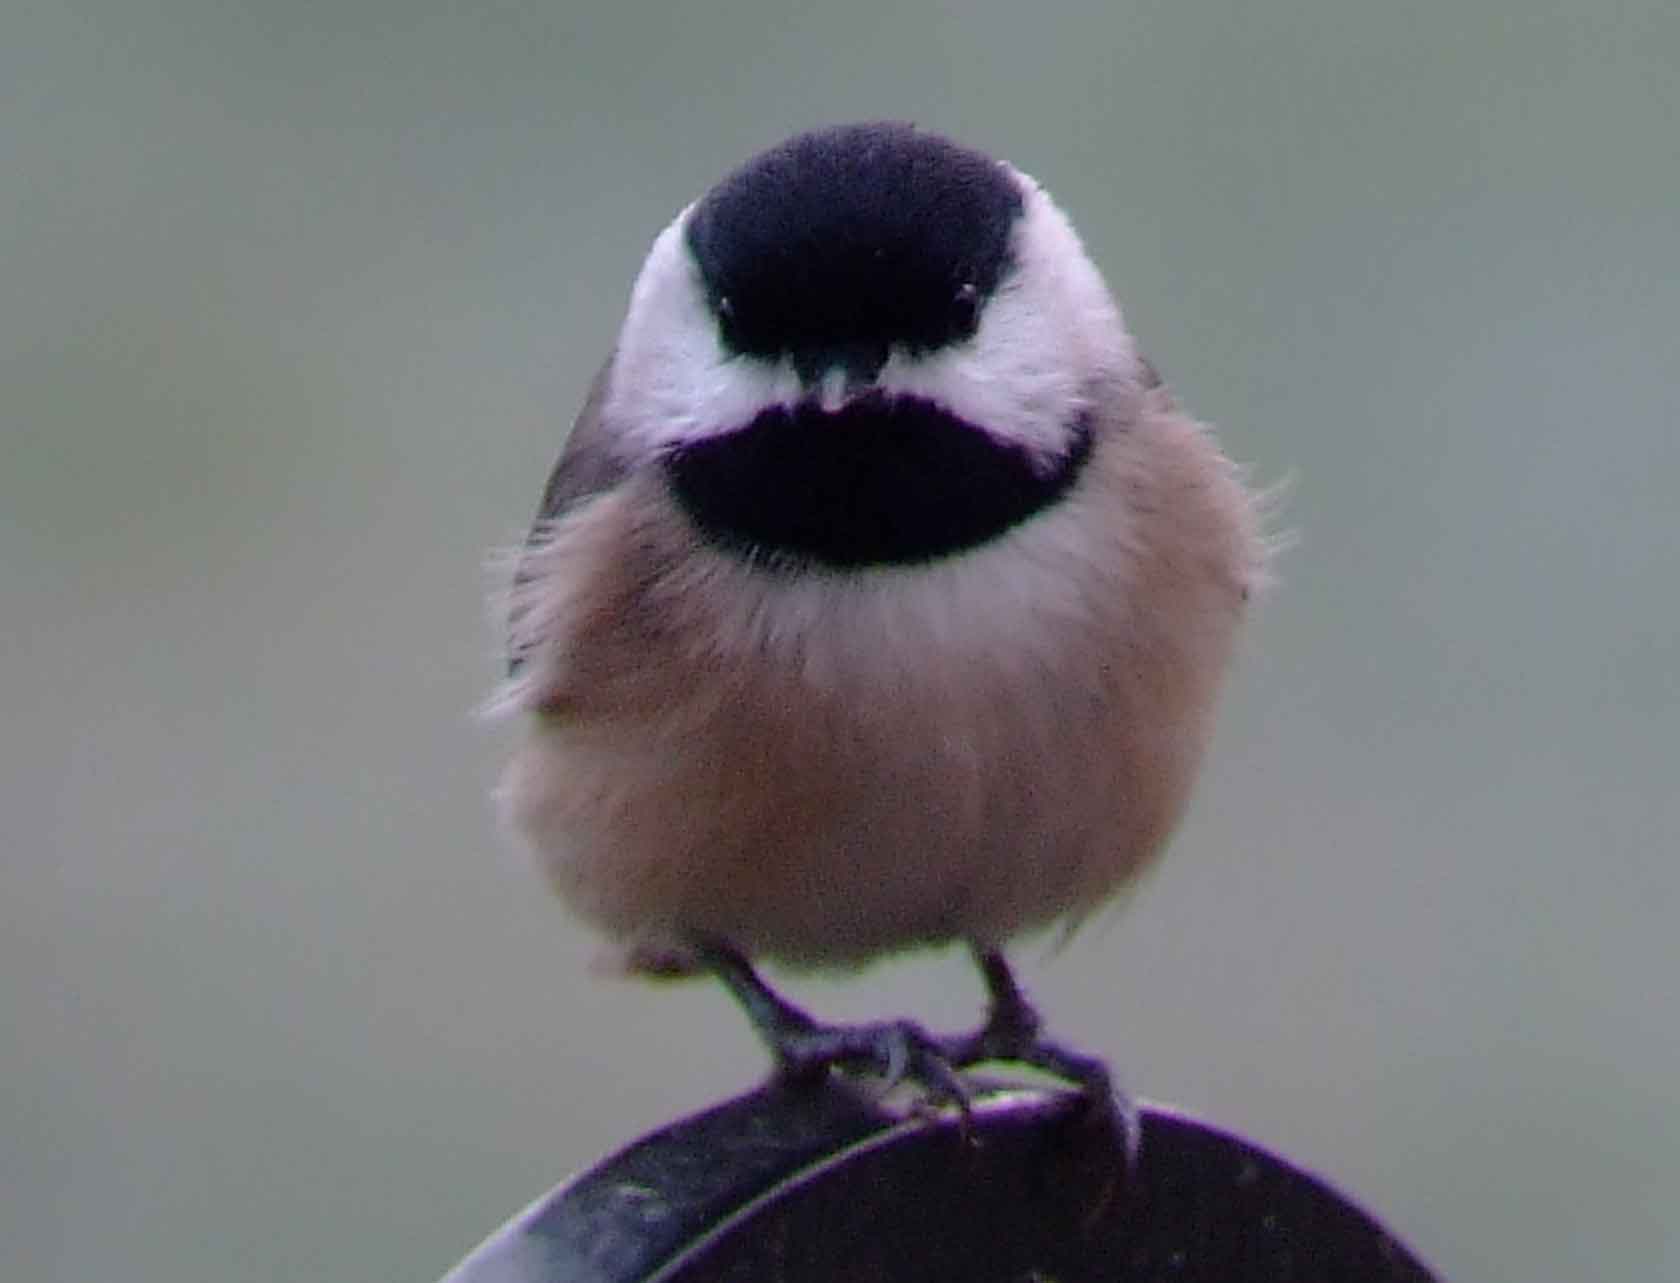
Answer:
(867, 346)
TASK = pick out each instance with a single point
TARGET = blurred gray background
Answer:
(298, 301)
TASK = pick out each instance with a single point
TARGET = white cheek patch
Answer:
(1049, 334)
(673, 381)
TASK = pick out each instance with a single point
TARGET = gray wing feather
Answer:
(588, 464)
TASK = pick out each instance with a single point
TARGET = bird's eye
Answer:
(723, 308)
(965, 308)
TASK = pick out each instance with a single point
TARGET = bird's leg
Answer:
(1014, 1032)
(804, 1049)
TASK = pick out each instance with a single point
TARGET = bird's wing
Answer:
(588, 464)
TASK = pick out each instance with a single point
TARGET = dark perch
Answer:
(816, 1183)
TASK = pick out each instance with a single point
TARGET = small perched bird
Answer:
(879, 598)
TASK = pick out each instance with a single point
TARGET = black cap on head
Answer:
(836, 245)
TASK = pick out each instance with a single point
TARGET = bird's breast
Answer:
(824, 765)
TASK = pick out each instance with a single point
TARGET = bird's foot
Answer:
(1014, 1032)
(902, 1051)
(897, 1051)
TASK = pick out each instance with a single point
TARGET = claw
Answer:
(898, 1056)
(896, 1051)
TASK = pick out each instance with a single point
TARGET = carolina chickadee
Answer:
(879, 598)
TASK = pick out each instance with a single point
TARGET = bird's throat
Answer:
(877, 482)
